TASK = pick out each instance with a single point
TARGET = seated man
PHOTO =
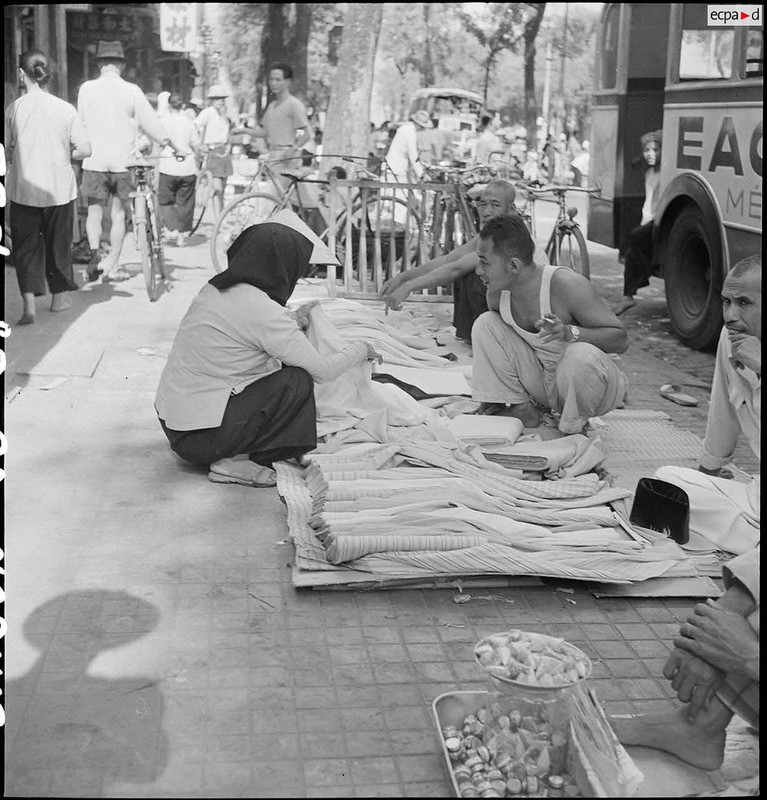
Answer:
(544, 342)
(457, 267)
(722, 510)
(714, 668)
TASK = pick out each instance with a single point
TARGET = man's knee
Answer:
(579, 357)
(485, 324)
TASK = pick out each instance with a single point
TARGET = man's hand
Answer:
(373, 355)
(302, 314)
(551, 328)
(722, 638)
(394, 299)
(694, 681)
(746, 351)
(392, 284)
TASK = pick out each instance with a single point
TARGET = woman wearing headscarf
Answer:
(42, 136)
(237, 390)
(638, 250)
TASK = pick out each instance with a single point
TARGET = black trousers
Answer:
(42, 247)
(176, 198)
(639, 266)
(469, 301)
(272, 419)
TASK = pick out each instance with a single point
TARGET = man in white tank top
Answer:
(543, 344)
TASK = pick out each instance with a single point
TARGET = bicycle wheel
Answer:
(250, 209)
(203, 191)
(154, 218)
(572, 250)
(149, 264)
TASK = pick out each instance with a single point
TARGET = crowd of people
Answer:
(62, 159)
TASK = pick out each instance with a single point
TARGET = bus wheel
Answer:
(694, 274)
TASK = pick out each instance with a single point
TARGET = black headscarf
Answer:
(270, 256)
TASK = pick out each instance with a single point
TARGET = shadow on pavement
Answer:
(102, 730)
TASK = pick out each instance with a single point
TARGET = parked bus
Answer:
(662, 66)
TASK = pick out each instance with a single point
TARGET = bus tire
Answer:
(694, 275)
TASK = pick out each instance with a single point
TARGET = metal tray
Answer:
(450, 709)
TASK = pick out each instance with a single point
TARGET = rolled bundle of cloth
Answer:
(344, 548)
(661, 559)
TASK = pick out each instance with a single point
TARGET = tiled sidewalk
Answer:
(156, 645)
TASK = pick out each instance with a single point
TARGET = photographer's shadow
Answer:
(108, 730)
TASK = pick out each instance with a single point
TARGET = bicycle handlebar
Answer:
(554, 189)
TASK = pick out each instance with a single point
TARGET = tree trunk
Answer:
(531, 106)
(428, 58)
(273, 48)
(488, 70)
(300, 49)
(347, 125)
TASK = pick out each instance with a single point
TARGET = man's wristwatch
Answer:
(575, 333)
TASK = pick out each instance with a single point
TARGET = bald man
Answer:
(724, 510)
(457, 267)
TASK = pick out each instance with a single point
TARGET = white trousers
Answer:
(584, 383)
(725, 512)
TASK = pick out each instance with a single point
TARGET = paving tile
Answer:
(644, 689)
(226, 747)
(339, 636)
(597, 631)
(650, 648)
(316, 697)
(327, 772)
(303, 637)
(387, 653)
(268, 722)
(21, 782)
(380, 635)
(414, 741)
(610, 689)
(665, 631)
(322, 745)
(76, 782)
(394, 673)
(362, 719)
(354, 675)
(266, 747)
(425, 652)
(655, 614)
(621, 615)
(227, 779)
(612, 649)
(420, 633)
(374, 770)
(635, 630)
(332, 791)
(357, 696)
(368, 742)
(316, 675)
(430, 789)
(400, 695)
(434, 671)
(416, 768)
(260, 677)
(349, 654)
(319, 721)
(626, 668)
(389, 790)
(412, 717)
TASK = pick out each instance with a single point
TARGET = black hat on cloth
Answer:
(272, 256)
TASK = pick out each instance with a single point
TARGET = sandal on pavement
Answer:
(673, 392)
(118, 276)
(243, 471)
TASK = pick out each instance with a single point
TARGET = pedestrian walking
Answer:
(214, 128)
(178, 178)
(42, 135)
(113, 110)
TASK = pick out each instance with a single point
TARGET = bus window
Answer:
(608, 78)
(706, 55)
(754, 67)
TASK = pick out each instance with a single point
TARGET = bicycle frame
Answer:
(145, 216)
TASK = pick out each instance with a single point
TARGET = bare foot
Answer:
(699, 743)
(60, 301)
(26, 319)
(240, 469)
(527, 413)
(625, 304)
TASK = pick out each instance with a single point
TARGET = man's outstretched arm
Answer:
(440, 276)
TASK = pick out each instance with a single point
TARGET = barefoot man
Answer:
(723, 510)
(544, 342)
(714, 670)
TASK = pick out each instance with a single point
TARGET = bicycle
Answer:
(257, 206)
(147, 230)
(566, 245)
(203, 192)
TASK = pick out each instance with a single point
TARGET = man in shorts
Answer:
(113, 110)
